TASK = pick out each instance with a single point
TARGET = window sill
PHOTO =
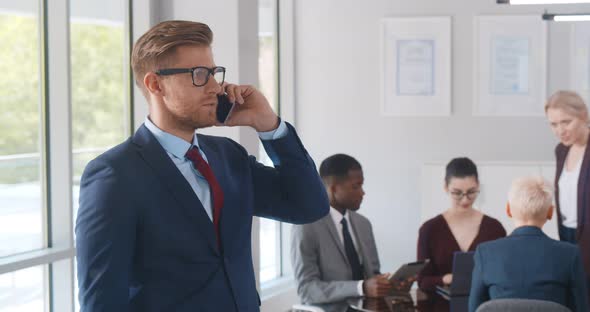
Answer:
(276, 287)
(33, 258)
(278, 295)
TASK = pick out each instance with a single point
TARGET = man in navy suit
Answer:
(165, 218)
(528, 264)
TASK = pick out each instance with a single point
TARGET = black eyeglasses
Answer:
(458, 195)
(200, 74)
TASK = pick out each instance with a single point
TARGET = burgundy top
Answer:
(437, 243)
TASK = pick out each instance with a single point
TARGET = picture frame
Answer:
(416, 66)
(510, 65)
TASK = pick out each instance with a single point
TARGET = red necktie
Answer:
(214, 187)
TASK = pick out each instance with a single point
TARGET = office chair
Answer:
(521, 305)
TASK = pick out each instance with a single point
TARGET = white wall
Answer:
(337, 78)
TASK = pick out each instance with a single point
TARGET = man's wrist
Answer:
(269, 124)
(280, 132)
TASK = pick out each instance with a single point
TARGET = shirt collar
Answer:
(337, 216)
(528, 230)
(171, 143)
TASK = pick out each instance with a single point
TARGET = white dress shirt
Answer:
(337, 218)
(568, 196)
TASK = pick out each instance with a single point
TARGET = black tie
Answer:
(353, 258)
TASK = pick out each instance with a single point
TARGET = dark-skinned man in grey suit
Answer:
(335, 258)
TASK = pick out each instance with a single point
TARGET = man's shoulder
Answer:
(316, 230)
(214, 139)
(359, 218)
(118, 153)
(563, 248)
(313, 225)
(547, 244)
(120, 158)
(220, 143)
(496, 245)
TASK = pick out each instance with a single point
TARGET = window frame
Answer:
(58, 250)
(273, 289)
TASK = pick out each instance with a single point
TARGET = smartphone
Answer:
(224, 107)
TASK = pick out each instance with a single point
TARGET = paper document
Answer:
(415, 67)
(510, 66)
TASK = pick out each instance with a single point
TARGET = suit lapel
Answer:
(172, 180)
(583, 184)
(219, 168)
(329, 224)
(359, 240)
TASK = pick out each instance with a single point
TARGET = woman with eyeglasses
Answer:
(568, 117)
(459, 228)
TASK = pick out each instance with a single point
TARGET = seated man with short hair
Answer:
(335, 258)
(528, 264)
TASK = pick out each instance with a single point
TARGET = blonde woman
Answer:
(568, 117)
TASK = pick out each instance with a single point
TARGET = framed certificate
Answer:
(416, 71)
(509, 65)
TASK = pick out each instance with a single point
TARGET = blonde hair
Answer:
(530, 198)
(155, 46)
(568, 101)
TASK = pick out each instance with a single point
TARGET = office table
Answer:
(415, 300)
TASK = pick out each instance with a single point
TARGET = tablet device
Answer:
(408, 270)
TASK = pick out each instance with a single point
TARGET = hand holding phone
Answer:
(224, 107)
(250, 108)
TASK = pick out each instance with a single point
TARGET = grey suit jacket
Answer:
(319, 261)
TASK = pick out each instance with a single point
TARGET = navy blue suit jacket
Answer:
(529, 265)
(145, 243)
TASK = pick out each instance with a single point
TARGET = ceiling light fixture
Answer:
(566, 17)
(517, 2)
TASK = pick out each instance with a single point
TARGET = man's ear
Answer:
(333, 186)
(152, 83)
(550, 212)
(508, 212)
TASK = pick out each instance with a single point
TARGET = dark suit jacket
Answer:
(583, 229)
(528, 265)
(145, 243)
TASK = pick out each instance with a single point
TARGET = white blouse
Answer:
(568, 195)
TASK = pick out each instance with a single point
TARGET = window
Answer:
(21, 180)
(23, 290)
(100, 87)
(100, 84)
(53, 79)
(270, 231)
